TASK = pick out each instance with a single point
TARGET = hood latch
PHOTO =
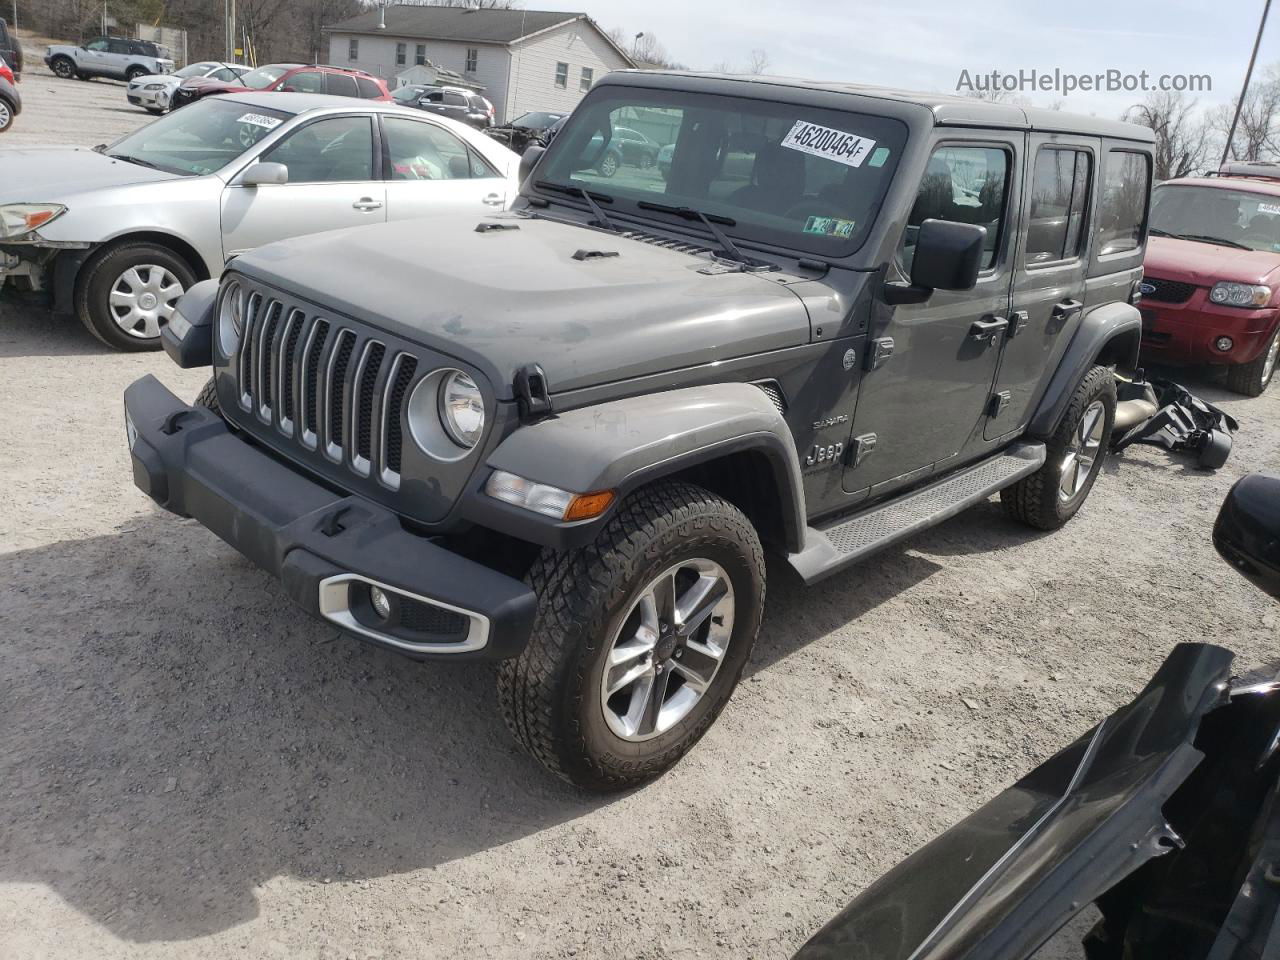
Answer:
(532, 394)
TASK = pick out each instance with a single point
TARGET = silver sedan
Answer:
(153, 92)
(118, 233)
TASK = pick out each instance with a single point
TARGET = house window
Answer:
(562, 76)
(588, 77)
(353, 48)
(420, 54)
(473, 56)
(401, 50)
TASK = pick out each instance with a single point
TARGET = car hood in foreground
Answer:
(1204, 264)
(50, 174)
(590, 307)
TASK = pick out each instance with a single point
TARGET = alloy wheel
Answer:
(668, 650)
(141, 297)
(1082, 452)
(6, 115)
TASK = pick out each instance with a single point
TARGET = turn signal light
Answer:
(587, 505)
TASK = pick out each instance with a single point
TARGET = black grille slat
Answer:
(1168, 291)
(396, 401)
(336, 388)
(364, 400)
(311, 412)
(296, 323)
(266, 356)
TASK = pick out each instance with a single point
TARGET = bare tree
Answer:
(758, 63)
(1258, 130)
(1182, 137)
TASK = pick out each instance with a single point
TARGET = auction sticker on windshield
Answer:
(258, 120)
(847, 148)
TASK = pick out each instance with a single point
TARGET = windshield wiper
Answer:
(601, 218)
(709, 221)
(129, 158)
(1198, 238)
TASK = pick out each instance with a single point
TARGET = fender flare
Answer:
(623, 444)
(1110, 333)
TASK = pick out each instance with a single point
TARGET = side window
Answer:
(422, 151)
(401, 53)
(452, 99)
(226, 75)
(435, 96)
(562, 75)
(119, 46)
(1122, 210)
(340, 85)
(480, 169)
(1058, 203)
(368, 89)
(97, 46)
(337, 150)
(353, 48)
(420, 54)
(964, 184)
(305, 81)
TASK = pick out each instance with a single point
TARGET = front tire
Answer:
(1252, 379)
(7, 114)
(639, 640)
(126, 291)
(208, 397)
(155, 111)
(63, 68)
(1053, 494)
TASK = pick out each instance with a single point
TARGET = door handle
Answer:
(367, 204)
(493, 200)
(987, 329)
(1067, 309)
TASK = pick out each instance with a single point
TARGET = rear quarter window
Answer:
(340, 85)
(1122, 207)
(368, 89)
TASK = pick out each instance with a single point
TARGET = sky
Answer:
(925, 44)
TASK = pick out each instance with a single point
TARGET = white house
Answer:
(524, 59)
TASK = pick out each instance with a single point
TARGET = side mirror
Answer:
(528, 160)
(948, 257)
(1247, 533)
(265, 174)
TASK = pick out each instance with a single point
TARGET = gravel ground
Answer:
(190, 768)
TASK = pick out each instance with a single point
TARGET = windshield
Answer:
(794, 176)
(536, 121)
(194, 70)
(198, 139)
(263, 77)
(407, 94)
(1214, 214)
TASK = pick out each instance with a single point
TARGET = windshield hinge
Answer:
(533, 397)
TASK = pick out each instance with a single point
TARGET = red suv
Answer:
(1211, 278)
(289, 78)
(10, 100)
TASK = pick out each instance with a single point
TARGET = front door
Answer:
(1048, 281)
(334, 182)
(433, 172)
(94, 55)
(923, 403)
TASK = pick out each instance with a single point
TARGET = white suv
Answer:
(107, 57)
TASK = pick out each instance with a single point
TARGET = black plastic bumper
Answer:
(189, 462)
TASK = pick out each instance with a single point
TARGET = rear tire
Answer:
(7, 114)
(601, 608)
(64, 68)
(1053, 494)
(1252, 379)
(150, 268)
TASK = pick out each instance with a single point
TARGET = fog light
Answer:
(381, 602)
(1224, 344)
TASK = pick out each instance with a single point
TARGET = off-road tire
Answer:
(93, 288)
(208, 397)
(1248, 379)
(133, 73)
(549, 695)
(64, 68)
(1035, 500)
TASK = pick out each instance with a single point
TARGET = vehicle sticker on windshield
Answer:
(878, 156)
(1271, 208)
(847, 148)
(829, 227)
(258, 120)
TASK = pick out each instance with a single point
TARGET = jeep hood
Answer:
(50, 174)
(589, 306)
(1204, 264)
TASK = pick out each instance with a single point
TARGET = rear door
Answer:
(1049, 278)
(430, 170)
(335, 181)
(340, 85)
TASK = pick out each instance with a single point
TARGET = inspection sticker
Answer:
(847, 148)
(258, 120)
(830, 227)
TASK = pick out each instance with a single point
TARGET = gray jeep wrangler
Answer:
(563, 437)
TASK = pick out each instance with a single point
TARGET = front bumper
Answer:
(326, 548)
(1187, 332)
(159, 99)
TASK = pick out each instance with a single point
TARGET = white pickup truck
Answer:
(115, 57)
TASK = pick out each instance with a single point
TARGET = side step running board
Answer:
(831, 548)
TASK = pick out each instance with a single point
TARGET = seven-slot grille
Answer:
(325, 384)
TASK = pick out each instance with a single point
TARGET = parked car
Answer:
(116, 235)
(527, 129)
(288, 78)
(664, 159)
(114, 57)
(11, 50)
(10, 99)
(562, 438)
(1210, 291)
(455, 103)
(154, 93)
(1162, 817)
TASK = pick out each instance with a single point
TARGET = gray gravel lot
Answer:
(189, 767)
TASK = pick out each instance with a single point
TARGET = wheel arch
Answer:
(69, 271)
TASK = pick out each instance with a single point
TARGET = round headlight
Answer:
(230, 319)
(461, 409)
